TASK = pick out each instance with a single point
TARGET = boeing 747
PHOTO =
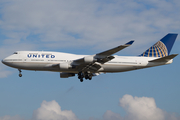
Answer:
(87, 66)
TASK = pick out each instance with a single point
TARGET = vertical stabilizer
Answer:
(162, 48)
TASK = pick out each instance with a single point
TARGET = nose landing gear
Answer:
(20, 75)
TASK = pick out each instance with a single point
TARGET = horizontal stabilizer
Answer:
(164, 59)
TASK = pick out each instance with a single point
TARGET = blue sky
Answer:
(88, 27)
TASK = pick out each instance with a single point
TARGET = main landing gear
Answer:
(20, 75)
(85, 75)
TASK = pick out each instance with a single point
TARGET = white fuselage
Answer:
(44, 61)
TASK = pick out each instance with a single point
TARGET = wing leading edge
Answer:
(114, 50)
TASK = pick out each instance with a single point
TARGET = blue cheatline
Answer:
(162, 48)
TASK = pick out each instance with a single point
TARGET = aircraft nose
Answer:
(3, 61)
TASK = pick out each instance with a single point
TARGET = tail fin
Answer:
(162, 48)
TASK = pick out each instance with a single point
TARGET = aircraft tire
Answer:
(81, 80)
(86, 77)
(20, 75)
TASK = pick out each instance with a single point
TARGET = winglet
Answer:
(129, 43)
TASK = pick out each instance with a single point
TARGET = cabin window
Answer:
(15, 53)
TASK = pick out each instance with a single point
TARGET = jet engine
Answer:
(89, 59)
(64, 66)
(66, 75)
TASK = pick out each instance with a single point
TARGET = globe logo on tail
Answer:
(157, 50)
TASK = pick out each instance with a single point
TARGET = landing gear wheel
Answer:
(86, 77)
(80, 76)
(20, 75)
(81, 80)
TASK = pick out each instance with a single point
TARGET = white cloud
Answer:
(109, 115)
(137, 108)
(140, 108)
(52, 111)
(57, 23)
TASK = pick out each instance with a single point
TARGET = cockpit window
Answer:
(15, 53)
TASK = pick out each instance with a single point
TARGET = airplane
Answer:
(87, 66)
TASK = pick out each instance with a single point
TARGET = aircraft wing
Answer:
(91, 62)
(113, 50)
(105, 56)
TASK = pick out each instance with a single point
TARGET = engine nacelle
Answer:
(89, 59)
(66, 75)
(64, 66)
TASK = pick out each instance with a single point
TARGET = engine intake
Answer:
(64, 66)
(89, 59)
